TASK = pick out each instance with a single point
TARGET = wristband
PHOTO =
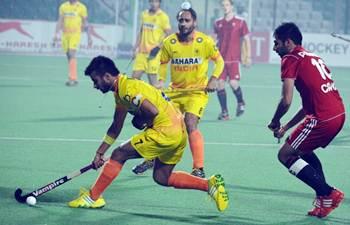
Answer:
(108, 139)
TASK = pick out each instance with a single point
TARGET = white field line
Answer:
(40, 139)
(85, 81)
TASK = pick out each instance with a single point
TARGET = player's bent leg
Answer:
(305, 172)
(162, 172)
(196, 144)
(109, 172)
(314, 161)
(290, 157)
(215, 186)
(72, 65)
(237, 91)
(221, 93)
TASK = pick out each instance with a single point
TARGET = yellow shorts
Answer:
(164, 143)
(194, 103)
(142, 63)
(70, 41)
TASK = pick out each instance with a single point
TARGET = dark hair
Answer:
(288, 30)
(101, 65)
(193, 13)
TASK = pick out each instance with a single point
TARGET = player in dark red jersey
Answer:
(322, 110)
(234, 45)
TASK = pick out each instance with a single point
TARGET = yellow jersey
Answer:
(72, 14)
(189, 62)
(153, 29)
(132, 92)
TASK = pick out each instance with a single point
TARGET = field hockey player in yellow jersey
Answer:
(155, 27)
(72, 19)
(163, 137)
(189, 52)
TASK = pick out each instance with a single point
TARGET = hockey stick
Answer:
(40, 191)
(183, 90)
(340, 37)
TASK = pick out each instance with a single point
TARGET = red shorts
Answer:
(312, 134)
(231, 71)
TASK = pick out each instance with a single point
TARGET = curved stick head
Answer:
(19, 197)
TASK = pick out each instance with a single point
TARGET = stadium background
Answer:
(48, 130)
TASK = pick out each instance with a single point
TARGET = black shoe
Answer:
(198, 172)
(71, 83)
(142, 167)
(240, 109)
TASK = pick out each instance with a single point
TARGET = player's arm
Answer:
(87, 28)
(137, 43)
(246, 51)
(284, 103)
(145, 115)
(59, 27)
(219, 64)
(299, 116)
(112, 133)
(164, 59)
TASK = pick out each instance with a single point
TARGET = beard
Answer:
(184, 32)
(282, 51)
(104, 89)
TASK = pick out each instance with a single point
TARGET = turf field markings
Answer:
(4, 138)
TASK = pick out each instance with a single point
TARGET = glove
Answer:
(153, 53)
(139, 123)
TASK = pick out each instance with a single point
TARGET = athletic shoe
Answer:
(217, 191)
(240, 109)
(324, 205)
(84, 201)
(223, 116)
(71, 83)
(143, 167)
(198, 172)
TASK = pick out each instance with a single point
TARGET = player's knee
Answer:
(119, 155)
(221, 84)
(234, 84)
(286, 159)
(161, 180)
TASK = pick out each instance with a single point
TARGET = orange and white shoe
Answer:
(324, 205)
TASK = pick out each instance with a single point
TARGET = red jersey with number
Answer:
(229, 34)
(313, 80)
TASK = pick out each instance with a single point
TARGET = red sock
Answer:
(109, 172)
(183, 180)
(197, 148)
